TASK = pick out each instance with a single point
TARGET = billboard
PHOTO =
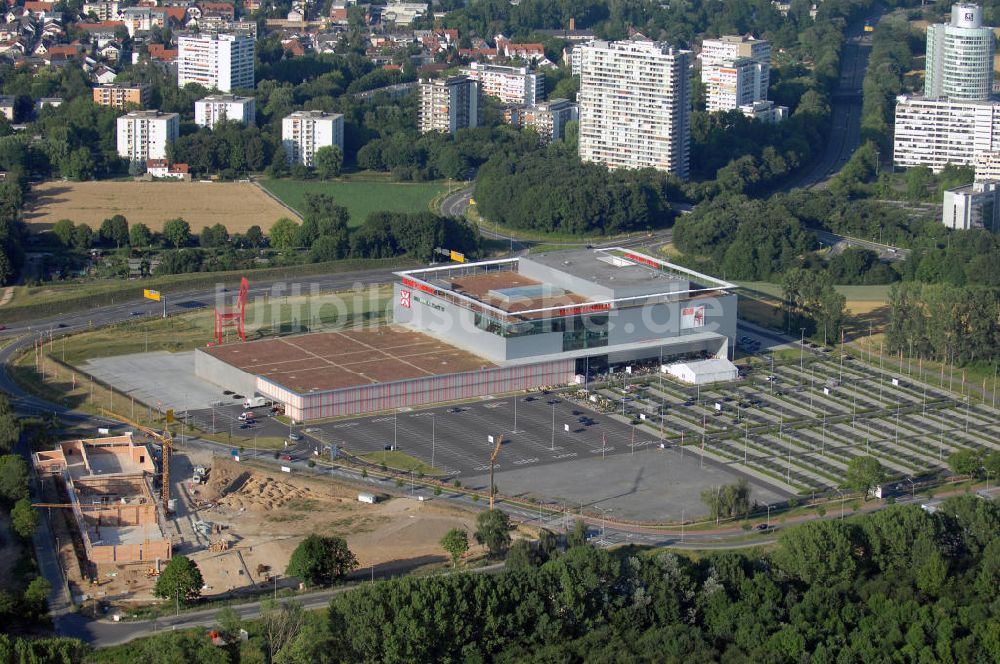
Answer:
(404, 299)
(692, 317)
(151, 294)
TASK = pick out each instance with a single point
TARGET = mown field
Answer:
(235, 205)
(360, 197)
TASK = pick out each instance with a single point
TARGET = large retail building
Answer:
(467, 330)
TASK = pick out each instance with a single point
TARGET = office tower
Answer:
(959, 63)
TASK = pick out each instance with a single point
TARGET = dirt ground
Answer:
(235, 205)
(264, 515)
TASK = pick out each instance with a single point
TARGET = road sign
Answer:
(457, 256)
(151, 294)
(170, 416)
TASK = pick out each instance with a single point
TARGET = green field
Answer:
(360, 197)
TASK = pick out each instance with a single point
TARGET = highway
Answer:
(845, 132)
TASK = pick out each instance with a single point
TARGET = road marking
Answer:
(424, 414)
(565, 455)
(345, 425)
(602, 449)
(522, 462)
(383, 419)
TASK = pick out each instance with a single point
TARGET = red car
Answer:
(286, 457)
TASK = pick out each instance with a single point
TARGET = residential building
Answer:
(120, 95)
(448, 104)
(305, 132)
(988, 166)
(736, 71)
(7, 107)
(635, 105)
(215, 108)
(104, 10)
(548, 118)
(765, 111)
(144, 135)
(937, 132)
(972, 206)
(517, 85)
(161, 168)
(959, 63)
(217, 61)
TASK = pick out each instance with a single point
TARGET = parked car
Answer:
(294, 436)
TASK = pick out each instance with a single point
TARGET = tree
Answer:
(520, 556)
(864, 473)
(284, 234)
(280, 624)
(329, 160)
(493, 530)
(819, 552)
(13, 478)
(139, 236)
(577, 536)
(177, 232)
(83, 237)
(10, 426)
(180, 579)
(63, 230)
(320, 560)
(23, 519)
(36, 596)
(214, 236)
(329, 247)
(728, 500)
(254, 237)
(115, 230)
(965, 462)
(456, 543)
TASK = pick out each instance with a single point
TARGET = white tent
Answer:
(701, 372)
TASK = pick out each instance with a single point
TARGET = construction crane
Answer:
(493, 460)
(166, 443)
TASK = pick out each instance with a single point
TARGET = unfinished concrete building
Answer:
(107, 482)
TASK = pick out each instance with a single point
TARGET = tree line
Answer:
(950, 324)
(899, 583)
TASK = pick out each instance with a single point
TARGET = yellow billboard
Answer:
(151, 294)
(457, 257)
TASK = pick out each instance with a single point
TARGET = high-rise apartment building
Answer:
(635, 105)
(512, 85)
(938, 132)
(972, 206)
(144, 135)
(222, 62)
(959, 63)
(448, 104)
(305, 132)
(215, 108)
(736, 71)
(120, 95)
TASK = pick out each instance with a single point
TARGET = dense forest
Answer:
(899, 585)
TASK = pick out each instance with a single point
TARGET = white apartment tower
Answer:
(511, 85)
(959, 63)
(448, 104)
(736, 71)
(145, 135)
(217, 61)
(938, 132)
(635, 105)
(304, 132)
(215, 108)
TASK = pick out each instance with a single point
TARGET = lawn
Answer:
(401, 461)
(360, 197)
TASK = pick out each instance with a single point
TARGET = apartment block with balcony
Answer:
(513, 85)
(736, 71)
(305, 132)
(144, 135)
(448, 104)
(635, 105)
(223, 62)
(548, 118)
(121, 95)
(938, 132)
(216, 108)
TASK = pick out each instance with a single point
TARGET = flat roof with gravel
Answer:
(336, 360)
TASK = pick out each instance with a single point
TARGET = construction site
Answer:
(106, 485)
(238, 523)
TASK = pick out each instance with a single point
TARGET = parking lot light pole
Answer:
(802, 351)
(552, 446)
(841, 504)
(433, 437)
